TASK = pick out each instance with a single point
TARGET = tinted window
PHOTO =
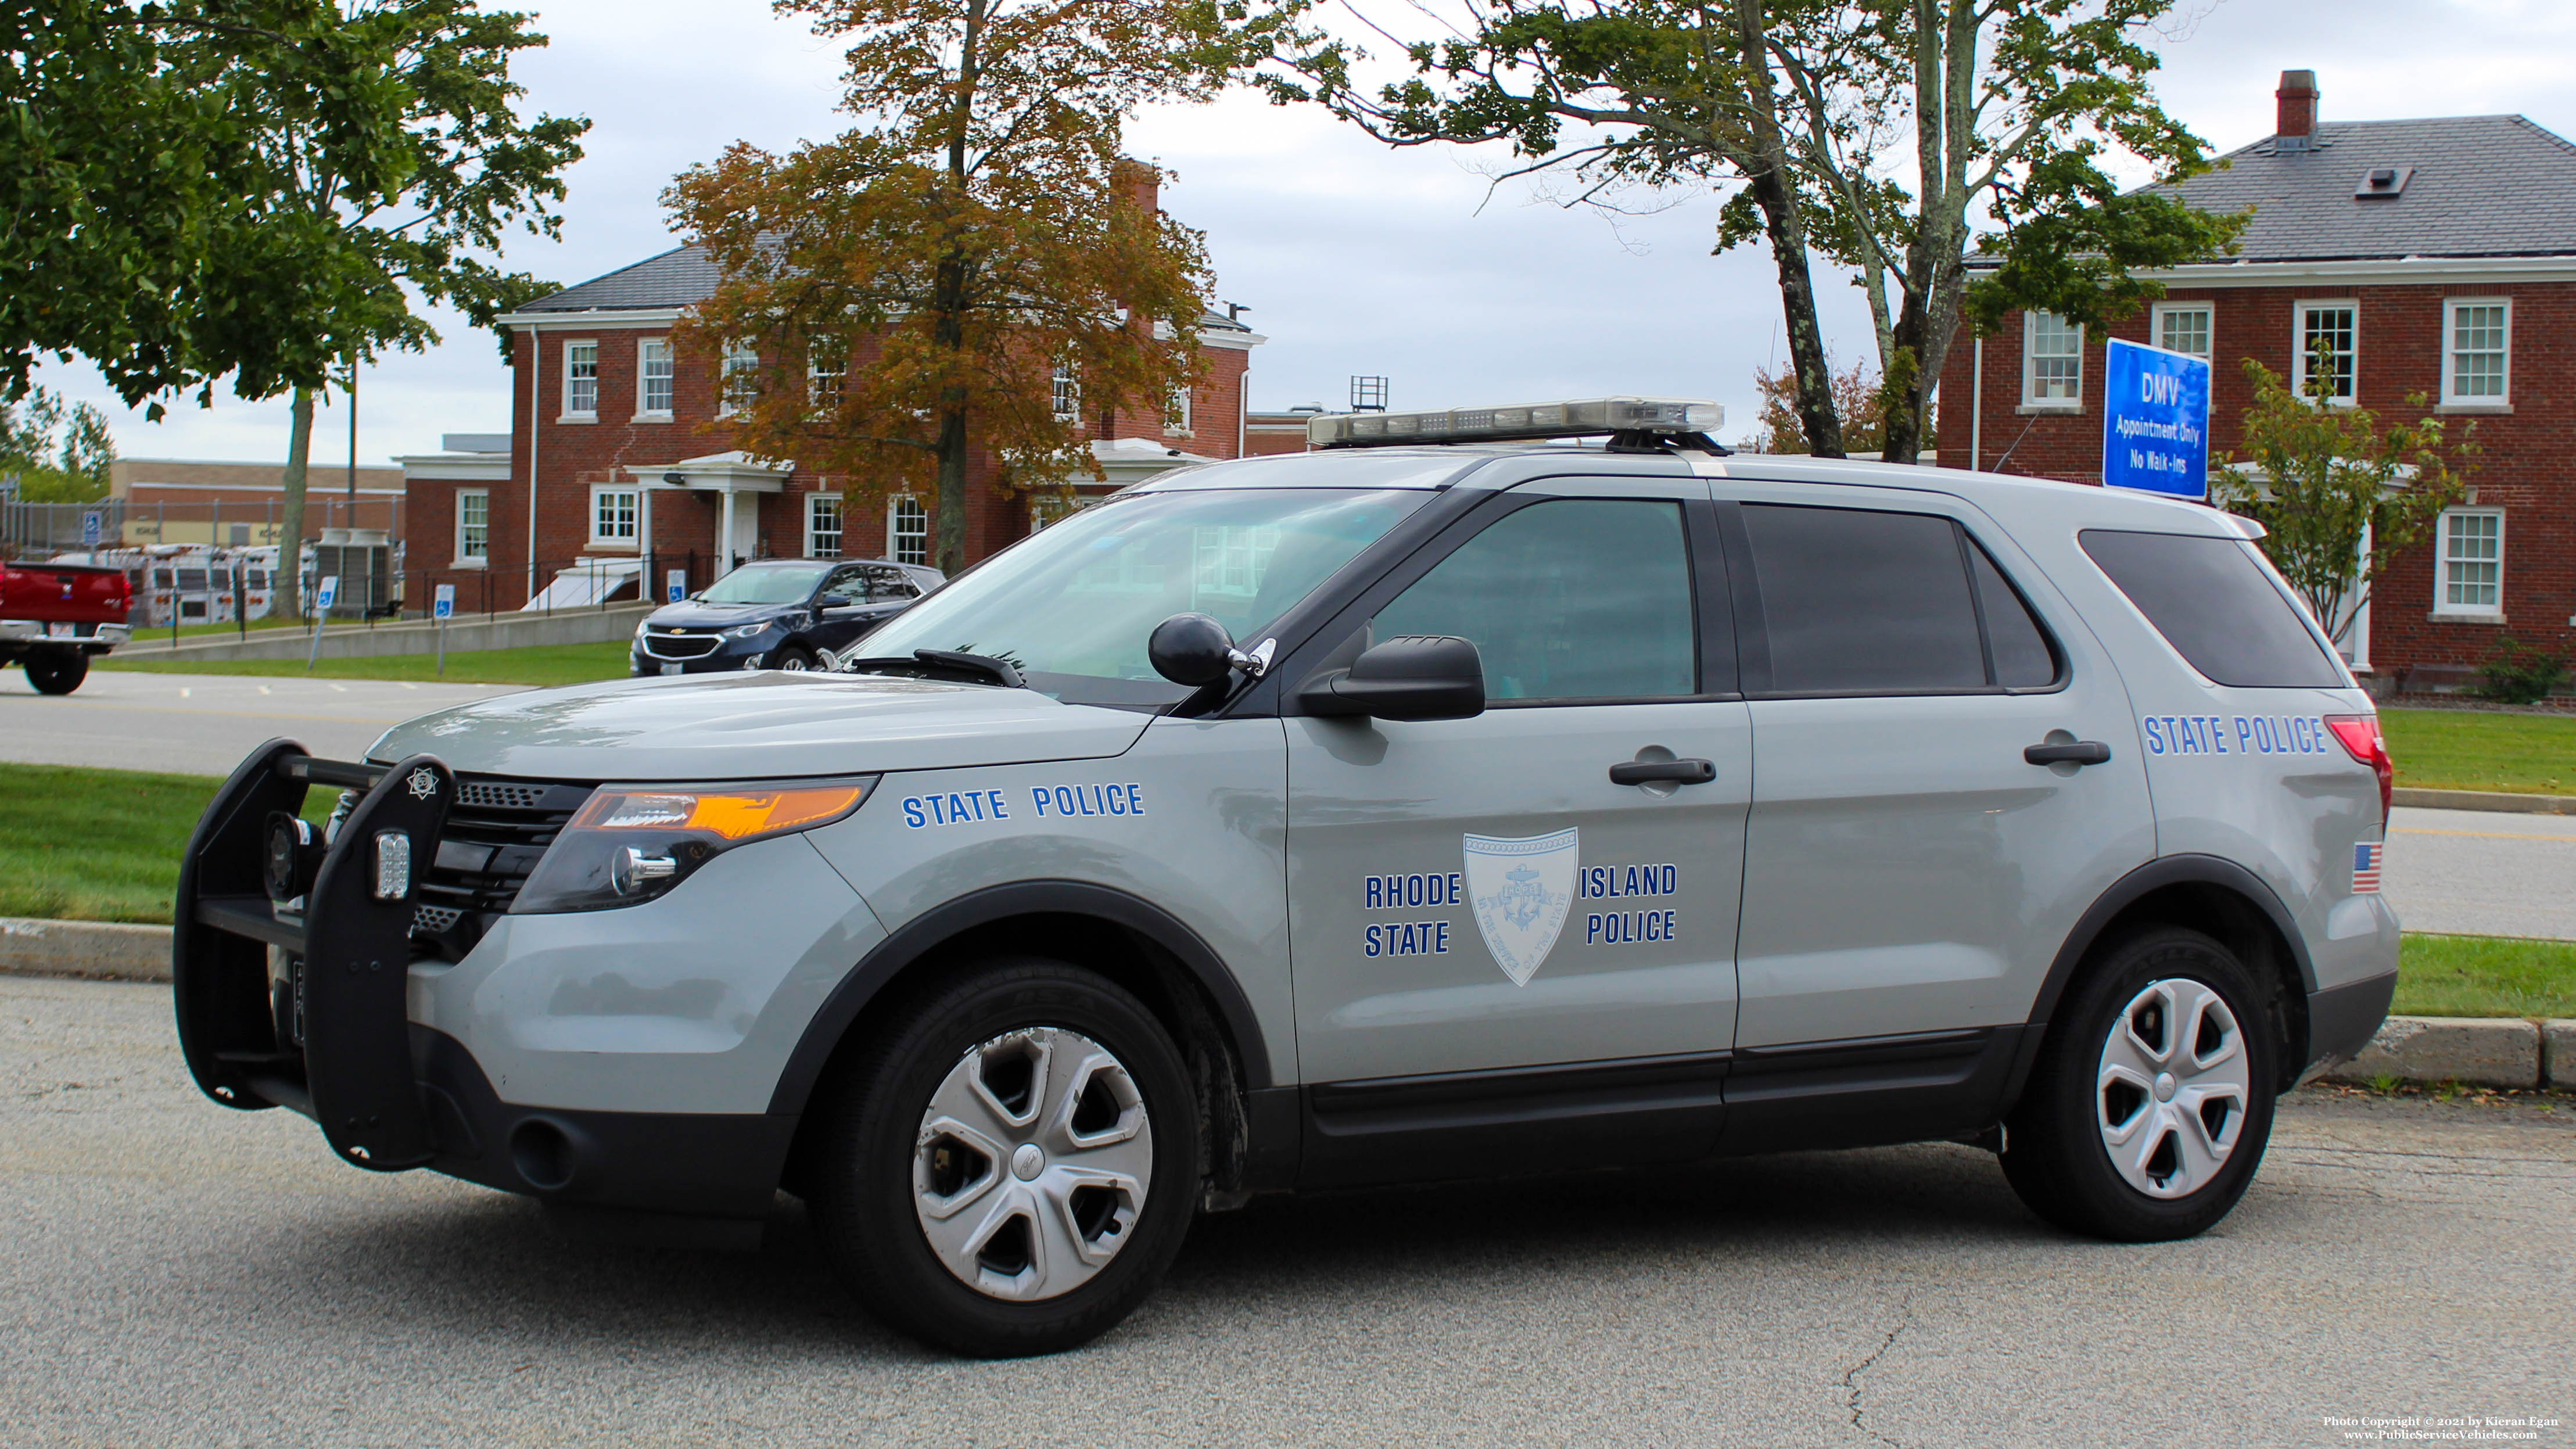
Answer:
(2216, 607)
(2022, 656)
(1858, 602)
(1580, 598)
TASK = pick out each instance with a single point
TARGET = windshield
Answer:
(766, 583)
(1072, 607)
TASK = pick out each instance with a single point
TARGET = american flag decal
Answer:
(2365, 866)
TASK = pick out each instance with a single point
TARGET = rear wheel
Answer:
(57, 673)
(2151, 1103)
(1013, 1164)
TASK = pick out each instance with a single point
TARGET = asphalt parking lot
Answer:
(202, 724)
(176, 1273)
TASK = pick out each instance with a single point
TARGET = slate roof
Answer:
(685, 276)
(2484, 186)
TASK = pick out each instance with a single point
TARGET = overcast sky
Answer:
(1351, 257)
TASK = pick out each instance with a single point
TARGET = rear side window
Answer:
(1569, 599)
(1856, 601)
(2216, 607)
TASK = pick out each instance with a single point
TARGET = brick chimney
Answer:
(1140, 184)
(2298, 106)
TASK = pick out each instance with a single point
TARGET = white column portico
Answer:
(727, 475)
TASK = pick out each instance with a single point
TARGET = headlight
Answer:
(631, 843)
(749, 631)
(639, 632)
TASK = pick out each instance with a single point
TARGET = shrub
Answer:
(2520, 674)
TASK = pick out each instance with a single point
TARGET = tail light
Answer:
(2362, 740)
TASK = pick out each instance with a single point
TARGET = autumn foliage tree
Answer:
(907, 291)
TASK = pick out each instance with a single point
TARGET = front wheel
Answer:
(794, 658)
(1013, 1163)
(2151, 1102)
(57, 673)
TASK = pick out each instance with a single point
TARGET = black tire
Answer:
(53, 673)
(861, 1190)
(795, 658)
(2057, 1155)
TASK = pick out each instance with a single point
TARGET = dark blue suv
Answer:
(778, 614)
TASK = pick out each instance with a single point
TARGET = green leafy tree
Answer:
(145, 228)
(1880, 134)
(2341, 495)
(54, 453)
(977, 232)
(470, 170)
(260, 189)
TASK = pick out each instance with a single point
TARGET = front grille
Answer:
(495, 833)
(679, 646)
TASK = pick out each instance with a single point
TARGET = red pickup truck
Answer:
(54, 616)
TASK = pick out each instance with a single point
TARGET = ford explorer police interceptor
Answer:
(1452, 800)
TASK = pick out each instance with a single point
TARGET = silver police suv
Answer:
(1450, 799)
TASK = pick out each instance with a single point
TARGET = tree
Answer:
(2342, 497)
(977, 232)
(53, 453)
(1856, 402)
(1881, 134)
(469, 169)
(144, 233)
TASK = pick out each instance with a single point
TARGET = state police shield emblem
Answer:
(1520, 890)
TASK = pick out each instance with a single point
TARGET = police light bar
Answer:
(1652, 415)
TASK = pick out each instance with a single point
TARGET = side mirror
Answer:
(1418, 677)
(832, 601)
(1191, 649)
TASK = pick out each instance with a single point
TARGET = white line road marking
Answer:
(186, 693)
(339, 689)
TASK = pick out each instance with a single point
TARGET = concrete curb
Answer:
(98, 950)
(2484, 800)
(2474, 1050)
(464, 636)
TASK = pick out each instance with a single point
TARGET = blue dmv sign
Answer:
(2155, 425)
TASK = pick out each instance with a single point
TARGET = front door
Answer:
(1475, 905)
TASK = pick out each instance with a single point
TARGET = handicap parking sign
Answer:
(443, 605)
(91, 525)
(328, 594)
(675, 586)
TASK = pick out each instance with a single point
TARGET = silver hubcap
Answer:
(2171, 1092)
(1032, 1163)
(794, 663)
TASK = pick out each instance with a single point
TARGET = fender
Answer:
(925, 932)
(2155, 875)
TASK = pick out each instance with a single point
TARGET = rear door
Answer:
(1909, 869)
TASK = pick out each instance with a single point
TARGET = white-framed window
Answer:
(907, 530)
(473, 525)
(2184, 327)
(2477, 349)
(653, 378)
(2338, 326)
(1176, 412)
(2052, 361)
(827, 368)
(822, 524)
(736, 378)
(2468, 549)
(1068, 395)
(581, 380)
(613, 513)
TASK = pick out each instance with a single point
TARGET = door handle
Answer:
(1680, 772)
(2082, 752)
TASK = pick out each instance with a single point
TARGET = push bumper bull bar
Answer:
(307, 1009)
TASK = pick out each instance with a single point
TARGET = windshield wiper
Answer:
(978, 666)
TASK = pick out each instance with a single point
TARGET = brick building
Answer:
(2437, 257)
(635, 468)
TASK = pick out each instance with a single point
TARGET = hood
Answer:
(694, 615)
(763, 725)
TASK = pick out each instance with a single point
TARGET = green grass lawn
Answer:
(542, 664)
(101, 845)
(2485, 976)
(2446, 749)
